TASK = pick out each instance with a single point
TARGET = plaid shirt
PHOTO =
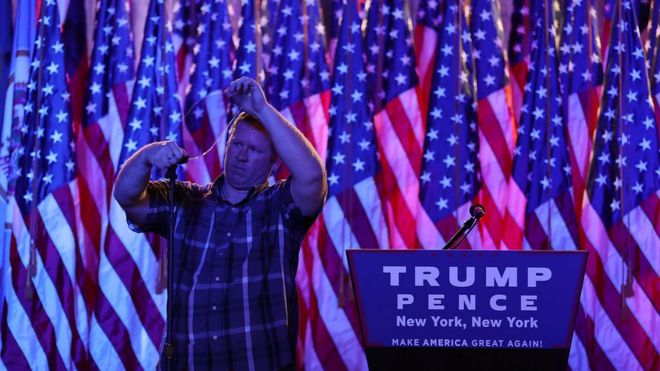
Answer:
(234, 273)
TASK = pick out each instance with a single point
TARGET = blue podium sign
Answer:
(467, 298)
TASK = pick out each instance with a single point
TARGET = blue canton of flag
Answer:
(155, 112)
(541, 167)
(429, 13)
(390, 58)
(185, 21)
(212, 71)
(625, 168)
(248, 62)
(297, 56)
(519, 37)
(112, 59)
(487, 49)
(450, 165)
(351, 146)
(46, 155)
(580, 66)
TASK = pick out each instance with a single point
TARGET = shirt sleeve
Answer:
(159, 206)
(293, 217)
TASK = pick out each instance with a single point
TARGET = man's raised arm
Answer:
(308, 182)
(130, 187)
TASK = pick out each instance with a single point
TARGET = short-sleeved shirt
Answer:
(234, 274)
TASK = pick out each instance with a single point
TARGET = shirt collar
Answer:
(219, 181)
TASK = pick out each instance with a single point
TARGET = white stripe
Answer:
(367, 193)
(138, 248)
(516, 204)
(639, 304)
(339, 230)
(112, 129)
(578, 133)
(501, 107)
(399, 162)
(60, 233)
(554, 226)
(607, 336)
(338, 326)
(95, 182)
(428, 234)
(492, 175)
(318, 124)
(577, 357)
(426, 52)
(410, 103)
(44, 289)
(101, 350)
(119, 298)
(310, 358)
(643, 231)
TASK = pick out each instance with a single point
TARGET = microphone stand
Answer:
(476, 212)
(168, 350)
(169, 344)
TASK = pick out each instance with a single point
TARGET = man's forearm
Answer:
(291, 145)
(132, 180)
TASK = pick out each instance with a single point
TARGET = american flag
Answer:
(133, 268)
(392, 82)
(450, 166)
(44, 318)
(99, 147)
(352, 215)
(652, 59)
(497, 133)
(581, 76)
(205, 105)
(519, 50)
(620, 216)
(429, 18)
(540, 210)
(298, 81)
(185, 24)
(13, 114)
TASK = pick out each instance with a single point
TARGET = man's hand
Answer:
(248, 95)
(162, 155)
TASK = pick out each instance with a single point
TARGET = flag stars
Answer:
(442, 203)
(338, 158)
(62, 116)
(333, 179)
(429, 155)
(638, 188)
(445, 182)
(56, 137)
(52, 68)
(449, 161)
(344, 137)
(615, 205)
(601, 179)
(358, 165)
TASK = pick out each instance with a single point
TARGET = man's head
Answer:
(250, 153)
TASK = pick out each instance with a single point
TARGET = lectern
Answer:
(467, 309)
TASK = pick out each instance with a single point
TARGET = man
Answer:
(236, 240)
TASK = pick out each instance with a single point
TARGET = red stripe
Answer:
(643, 271)
(585, 328)
(490, 127)
(325, 348)
(122, 101)
(405, 133)
(628, 327)
(355, 215)
(651, 207)
(11, 354)
(403, 220)
(425, 77)
(492, 221)
(129, 273)
(338, 276)
(514, 235)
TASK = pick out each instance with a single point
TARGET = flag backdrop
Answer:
(418, 108)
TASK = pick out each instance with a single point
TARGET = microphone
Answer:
(171, 171)
(477, 212)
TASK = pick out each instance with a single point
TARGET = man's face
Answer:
(249, 157)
